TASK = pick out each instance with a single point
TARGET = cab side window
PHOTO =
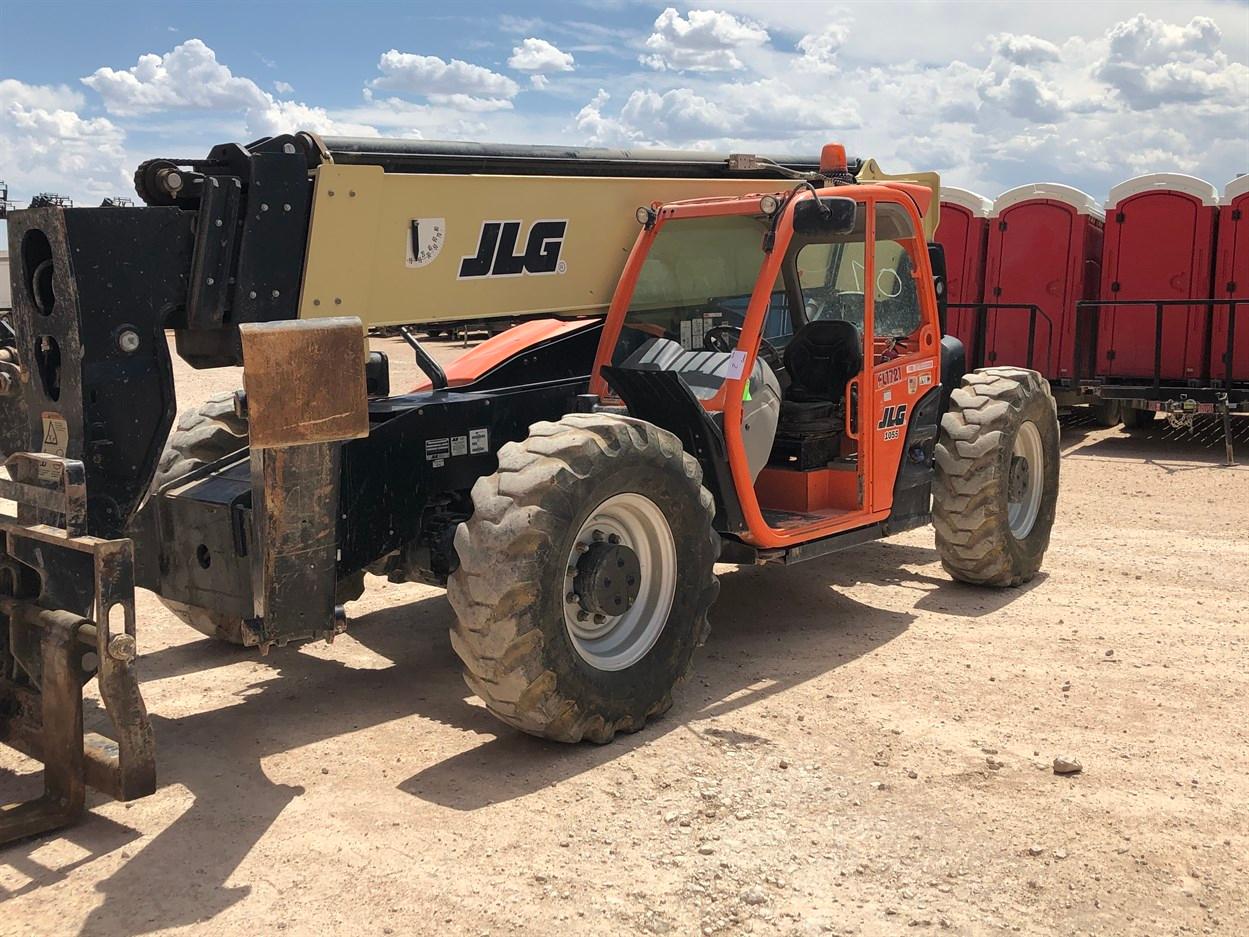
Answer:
(896, 290)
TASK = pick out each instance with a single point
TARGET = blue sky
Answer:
(990, 94)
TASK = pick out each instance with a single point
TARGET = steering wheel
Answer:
(724, 338)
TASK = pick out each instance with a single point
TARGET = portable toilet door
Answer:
(1231, 281)
(964, 233)
(1045, 242)
(1159, 245)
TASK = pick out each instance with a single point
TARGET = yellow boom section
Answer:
(400, 248)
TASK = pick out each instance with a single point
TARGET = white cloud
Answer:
(189, 77)
(539, 82)
(767, 110)
(702, 41)
(819, 50)
(45, 144)
(1150, 63)
(408, 73)
(186, 77)
(1024, 50)
(538, 55)
(282, 87)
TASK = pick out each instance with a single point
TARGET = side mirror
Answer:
(824, 216)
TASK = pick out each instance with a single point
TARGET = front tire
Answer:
(550, 641)
(996, 484)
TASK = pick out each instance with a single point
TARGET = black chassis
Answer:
(86, 405)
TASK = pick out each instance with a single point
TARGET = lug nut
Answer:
(582, 616)
(600, 619)
(613, 538)
(597, 535)
(570, 598)
(583, 548)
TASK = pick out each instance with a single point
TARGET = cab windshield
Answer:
(692, 293)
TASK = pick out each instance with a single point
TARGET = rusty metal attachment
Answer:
(66, 617)
(305, 395)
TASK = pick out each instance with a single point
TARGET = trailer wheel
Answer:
(1137, 419)
(204, 435)
(996, 482)
(1107, 413)
(585, 577)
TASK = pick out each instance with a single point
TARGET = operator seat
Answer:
(820, 359)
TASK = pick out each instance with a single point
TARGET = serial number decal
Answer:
(890, 435)
(437, 451)
(479, 440)
(919, 366)
(888, 376)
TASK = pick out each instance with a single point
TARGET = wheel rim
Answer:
(615, 642)
(1025, 481)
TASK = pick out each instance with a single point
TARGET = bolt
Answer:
(286, 206)
(217, 222)
(600, 619)
(276, 294)
(597, 535)
(128, 341)
(316, 302)
(613, 538)
(121, 647)
(251, 294)
(570, 597)
(264, 206)
(583, 548)
(582, 616)
(352, 193)
(210, 281)
(331, 193)
(338, 301)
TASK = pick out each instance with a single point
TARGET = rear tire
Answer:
(531, 649)
(998, 443)
(207, 434)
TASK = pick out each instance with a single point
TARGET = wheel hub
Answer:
(1017, 482)
(608, 578)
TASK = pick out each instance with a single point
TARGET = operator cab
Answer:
(764, 315)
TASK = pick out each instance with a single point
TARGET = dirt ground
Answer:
(865, 748)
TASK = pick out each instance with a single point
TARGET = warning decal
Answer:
(55, 434)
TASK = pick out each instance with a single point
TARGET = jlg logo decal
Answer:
(893, 416)
(496, 250)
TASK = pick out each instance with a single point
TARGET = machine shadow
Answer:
(1162, 445)
(755, 652)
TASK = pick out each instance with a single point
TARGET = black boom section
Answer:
(663, 398)
(454, 157)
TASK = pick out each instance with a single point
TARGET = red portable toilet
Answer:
(1231, 281)
(1159, 245)
(964, 233)
(1045, 245)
